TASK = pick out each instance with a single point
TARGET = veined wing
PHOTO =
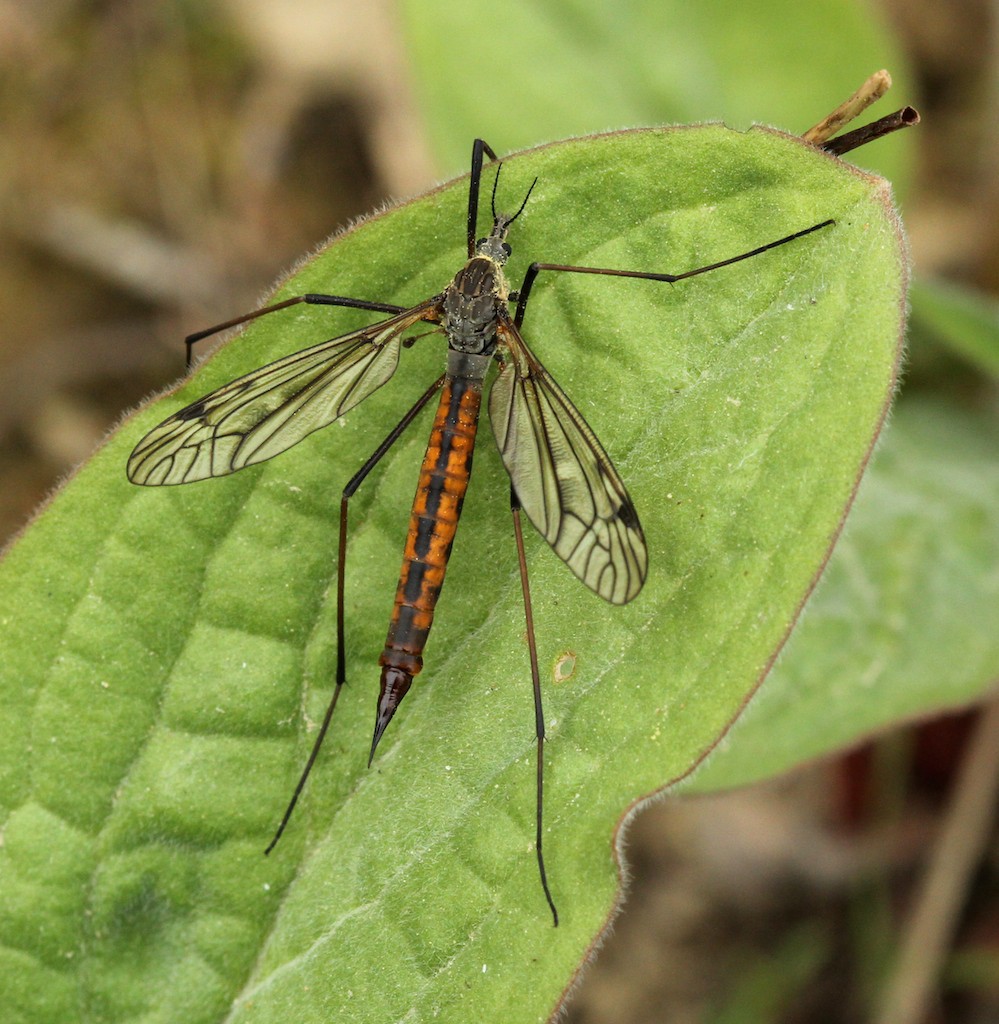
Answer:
(256, 417)
(563, 477)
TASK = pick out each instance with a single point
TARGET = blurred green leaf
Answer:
(155, 640)
(548, 69)
(763, 990)
(900, 619)
(963, 319)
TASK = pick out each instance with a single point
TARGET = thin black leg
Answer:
(535, 268)
(352, 485)
(539, 718)
(313, 299)
(479, 146)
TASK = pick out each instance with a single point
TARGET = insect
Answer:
(560, 475)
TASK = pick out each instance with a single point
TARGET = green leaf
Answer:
(167, 652)
(900, 623)
(537, 69)
(963, 319)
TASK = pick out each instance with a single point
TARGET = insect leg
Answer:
(535, 268)
(539, 718)
(312, 299)
(479, 146)
(352, 485)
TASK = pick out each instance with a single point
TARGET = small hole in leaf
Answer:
(565, 667)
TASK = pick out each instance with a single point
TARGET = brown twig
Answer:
(904, 118)
(873, 89)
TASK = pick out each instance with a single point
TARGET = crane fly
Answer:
(560, 475)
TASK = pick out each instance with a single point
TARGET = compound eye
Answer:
(507, 249)
(480, 243)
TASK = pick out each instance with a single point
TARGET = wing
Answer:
(563, 478)
(256, 417)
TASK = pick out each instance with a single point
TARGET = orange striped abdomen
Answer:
(444, 477)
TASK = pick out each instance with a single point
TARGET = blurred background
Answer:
(162, 162)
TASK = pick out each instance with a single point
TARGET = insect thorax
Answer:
(471, 306)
